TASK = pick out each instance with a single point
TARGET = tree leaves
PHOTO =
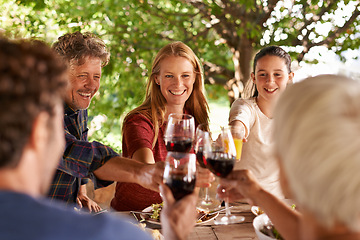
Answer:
(225, 34)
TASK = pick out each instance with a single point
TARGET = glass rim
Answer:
(187, 116)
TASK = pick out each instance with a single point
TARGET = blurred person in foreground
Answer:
(317, 126)
(86, 55)
(32, 83)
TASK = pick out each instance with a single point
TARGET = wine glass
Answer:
(238, 134)
(220, 154)
(206, 202)
(179, 133)
(180, 173)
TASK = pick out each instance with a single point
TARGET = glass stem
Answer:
(227, 209)
(207, 197)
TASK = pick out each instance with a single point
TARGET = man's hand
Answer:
(204, 177)
(151, 175)
(85, 202)
(178, 218)
(122, 169)
(240, 184)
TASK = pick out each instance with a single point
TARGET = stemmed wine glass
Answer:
(206, 202)
(180, 173)
(220, 155)
(179, 133)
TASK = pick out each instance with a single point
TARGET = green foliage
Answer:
(135, 30)
(217, 93)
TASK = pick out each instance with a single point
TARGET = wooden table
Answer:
(206, 231)
(210, 231)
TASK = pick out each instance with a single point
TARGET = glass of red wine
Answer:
(206, 201)
(180, 173)
(220, 155)
(179, 133)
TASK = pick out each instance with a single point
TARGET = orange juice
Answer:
(238, 145)
(227, 145)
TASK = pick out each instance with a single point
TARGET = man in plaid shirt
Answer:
(85, 55)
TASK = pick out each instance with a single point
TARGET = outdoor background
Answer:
(322, 36)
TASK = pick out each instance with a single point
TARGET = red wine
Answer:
(200, 157)
(180, 185)
(179, 144)
(221, 164)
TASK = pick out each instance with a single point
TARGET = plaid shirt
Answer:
(80, 158)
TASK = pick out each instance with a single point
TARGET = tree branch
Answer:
(331, 37)
(313, 19)
(335, 34)
(265, 15)
(212, 68)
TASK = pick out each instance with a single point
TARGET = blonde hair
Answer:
(317, 126)
(154, 105)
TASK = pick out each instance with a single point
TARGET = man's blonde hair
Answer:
(317, 137)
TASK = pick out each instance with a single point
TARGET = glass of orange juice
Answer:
(238, 134)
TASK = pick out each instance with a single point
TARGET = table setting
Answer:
(206, 229)
(214, 149)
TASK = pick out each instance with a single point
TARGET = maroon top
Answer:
(138, 133)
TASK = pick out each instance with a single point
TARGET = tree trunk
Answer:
(242, 58)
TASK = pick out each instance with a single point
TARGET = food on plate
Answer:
(256, 210)
(156, 209)
(270, 230)
(202, 215)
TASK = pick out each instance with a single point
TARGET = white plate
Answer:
(256, 210)
(147, 218)
(258, 223)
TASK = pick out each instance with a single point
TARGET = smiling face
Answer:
(84, 82)
(271, 77)
(176, 79)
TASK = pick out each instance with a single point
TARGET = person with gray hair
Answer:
(317, 126)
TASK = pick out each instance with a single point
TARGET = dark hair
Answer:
(250, 88)
(32, 80)
(77, 46)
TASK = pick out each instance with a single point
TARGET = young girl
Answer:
(319, 168)
(175, 85)
(271, 74)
